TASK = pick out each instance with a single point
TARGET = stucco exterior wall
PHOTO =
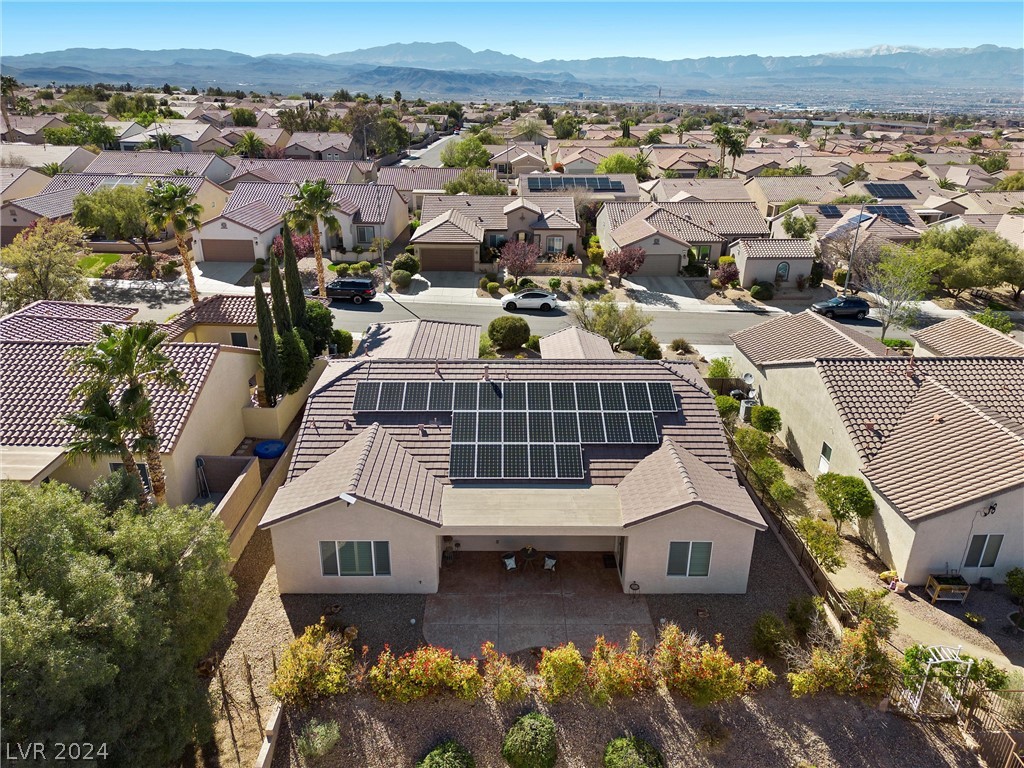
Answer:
(764, 270)
(228, 230)
(544, 543)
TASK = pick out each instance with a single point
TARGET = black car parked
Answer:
(843, 306)
(358, 289)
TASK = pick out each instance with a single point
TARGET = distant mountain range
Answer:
(450, 70)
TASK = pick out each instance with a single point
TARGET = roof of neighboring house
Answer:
(258, 216)
(992, 202)
(331, 171)
(880, 226)
(317, 142)
(779, 189)
(51, 205)
(693, 221)
(9, 176)
(786, 249)
(803, 337)
(452, 226)
(706, 190)
(973, 452)
(921, 189)
(1011, 227)
(30, 124)
(672, 478)
(653, 219)
(369, 202)
(962, 337)
(985, 221)
(89, 182)
(152, 163)
(72, 309)
(406, 178)
(38, 155)
(489, 210)
(269, 135)
(564, 183)
(37, 389)
(575, 343)
(421, 339)
(61, 321)
(220, 309)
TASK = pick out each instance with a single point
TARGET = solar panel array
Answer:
(830, 211)
(895, 213)
(527, 429)
(593, 183)
(889, 191)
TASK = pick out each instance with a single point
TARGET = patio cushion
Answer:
(550, 563)
(510, 563)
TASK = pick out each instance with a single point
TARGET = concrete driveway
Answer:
(530, 608)
(660, 292)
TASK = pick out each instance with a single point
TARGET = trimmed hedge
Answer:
(530, 742)
(401, 278)
(508, 332)
(632, 752)
(451, 754)
(407, 263)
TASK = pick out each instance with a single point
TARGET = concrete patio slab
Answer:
(584, 635)
(461, 609)
(463, 639)
(609, 609)
(532, 609)
(513, 638)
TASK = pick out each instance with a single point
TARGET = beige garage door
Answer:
(447, 260)
(660, 264)
(228, 250)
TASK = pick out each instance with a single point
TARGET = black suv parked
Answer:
(843, 306)
(359, 289)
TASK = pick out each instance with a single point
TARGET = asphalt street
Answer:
(429, 156)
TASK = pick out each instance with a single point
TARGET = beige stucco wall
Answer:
(229, 230)
(647, 547)
(413, 545)
(764, 270)
(271, 423)
(542, 542)
(212, 198)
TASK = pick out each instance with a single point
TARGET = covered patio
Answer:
(478, 600)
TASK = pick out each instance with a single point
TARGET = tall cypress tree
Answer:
(282, 315)
(292, 281)
(273, 386)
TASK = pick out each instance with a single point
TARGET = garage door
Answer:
(660, 264)
(446, 260)
(228, 250)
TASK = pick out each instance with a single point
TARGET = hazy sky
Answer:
(535, 29)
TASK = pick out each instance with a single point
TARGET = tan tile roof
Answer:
(973, 453)
(421, 339)
(1011, 227)
(706, 190)
(150, 163)
(452, 226)
(803, 337)
(372, 466)
(725, 220)
(575, 343)
(35, 388)
(89, 182)
(995, 202)
(672, 479)
(816, 189)
(406, 178)
(783, 248)
(318, 142)
(487, 210)
(878, 391)
(960, 337)
(368, 201)
(332, 171)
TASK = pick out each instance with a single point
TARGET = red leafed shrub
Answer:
(726, 273)
(425, 671)
(303, 246)
(614, 673)
(626, 261)
(518, 258)
(558, 168)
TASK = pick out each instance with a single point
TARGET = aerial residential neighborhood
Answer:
(450, 405)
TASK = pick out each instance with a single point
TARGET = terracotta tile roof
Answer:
(488, 210)
(373, 466)
(783, 248)
(706, 190)
(960, 337)
(36, 386)
(70, 309)
(51, 205)
(452, 226)
(803, 337)
(20, 327)
(89, 182)
(220, 309)
(406, 178)
(257, 216)
(816, 189)
(575, 343)
(654, 219)
(369, 202)
(973, 452)
(672, 479)
(727, 220)
(332, 171)
(421, 339)
(878, 391)
(150, 163)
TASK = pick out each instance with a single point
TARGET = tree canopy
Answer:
(605, 318)
(116, 213)
(468, 152)
(475, 182)
(42, 263)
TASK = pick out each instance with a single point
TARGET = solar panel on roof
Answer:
(662, 396)
(538, 395)
(367, 393)
(441, 393)
(563, 395)
(587, 396)
(515, 427)
(616, 427)
(517, 460)
(591, 427)
(465, 395)
(541, 429)
(542, 461)
(392, 394)
(889, 191)
(488, 461)
(417, 395)
(637, 398)
(612, 398)
(643, 427)
(515, 395)
(488, 427)
(490, 396)
(462, 461)
(463, 427)
(570, 462)
(895, 213)
(566, 428)
(830, 211)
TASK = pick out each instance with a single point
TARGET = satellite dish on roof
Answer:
(748, 378)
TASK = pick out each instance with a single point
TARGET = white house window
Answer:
(983, 551)
(825, 459)
(782, 271)
(555, 244)
(364, 234)
(689, 558)
(496, 240)
(143, 472)
(355, 558)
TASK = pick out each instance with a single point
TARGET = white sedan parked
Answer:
(530, 298)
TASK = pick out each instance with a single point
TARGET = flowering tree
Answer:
(624, 261)
(518, 258)
(303, 247)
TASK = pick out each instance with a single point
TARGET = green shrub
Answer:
(859, 665)
(631, 752)
(493, 287)
(695, 269)
(728, 408)
(817, 275)
(526, 283)
(508, 332)
(343, 269)
(643, 344)
(491, 277)
(343, 341)
(506, 680)
(533, 342)
(317, 738)
(871, 604)
(782, 491)
(752, 442)
(261, 260)
(364, 267)
(257, 268)
(721, 368)
(484, 283)
(898, 343)
(590, 288)
(555, 283)
(724, 261)
(999, 321)
(406, 263)
(294, 356)
(766, 419)
(770, 632)
(846, 496)
(510, 283)
(530, 742)
(762, 292)
(401, 278)
(594, 270)
(839, 276)
(414, 224)
(486, 351)
(314, 664)
(426, 671)
(562, 671)
(451, 754)
(618, 674)
(768, 471)
(823, 542)
(802, 613)
(319, 322)
(682, 346)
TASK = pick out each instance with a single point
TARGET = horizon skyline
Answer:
(770, 30)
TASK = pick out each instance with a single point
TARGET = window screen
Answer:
(329, 558)
(686, 558)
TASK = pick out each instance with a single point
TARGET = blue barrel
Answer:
(269, 449)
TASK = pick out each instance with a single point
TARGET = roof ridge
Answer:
(673, 450)
(370, 438)
(839, 330)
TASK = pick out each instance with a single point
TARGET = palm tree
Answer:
(312, 203)
(174, 207)
(162, 141)
(107, 427)
(130, 358)
(643, 165)
(737, 148)
(947, 184)
(250, 145)
(723, 137)
(8, 85)
(51, 169)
